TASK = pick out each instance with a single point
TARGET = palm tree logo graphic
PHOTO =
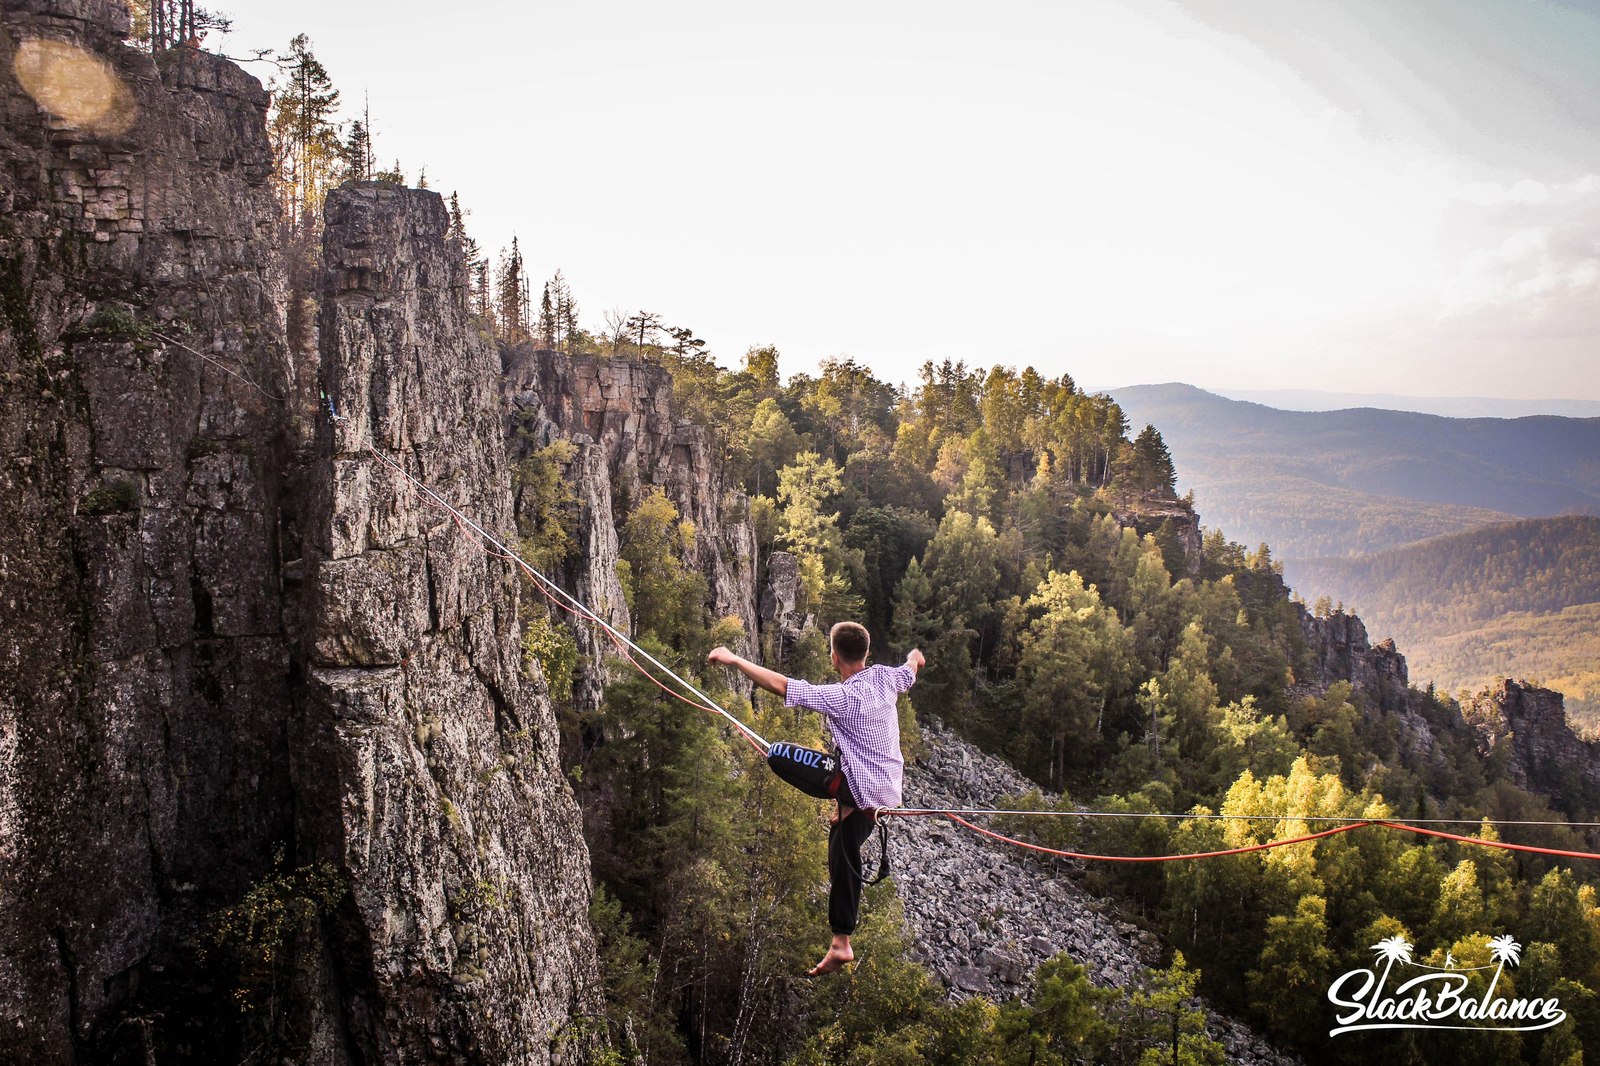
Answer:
(1439, 996)
(1502, 949)
(1391, 949)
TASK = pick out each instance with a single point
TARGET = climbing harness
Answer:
(883, 857)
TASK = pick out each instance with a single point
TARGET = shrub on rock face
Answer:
(120, 497)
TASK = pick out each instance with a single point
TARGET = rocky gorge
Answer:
(249, 667)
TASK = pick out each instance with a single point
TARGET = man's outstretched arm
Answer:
(770, 680)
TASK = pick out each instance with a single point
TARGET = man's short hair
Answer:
(851, 641)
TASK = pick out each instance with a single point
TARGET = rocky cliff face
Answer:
(224, 642)
(1519, 727)
(1341, 651)
(144, 667)
(1526, 726)
(619, 414)
(1174, 519)
(429, 768)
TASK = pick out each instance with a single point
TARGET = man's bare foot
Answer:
(839, 956)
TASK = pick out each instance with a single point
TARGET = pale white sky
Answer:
(1232, 193)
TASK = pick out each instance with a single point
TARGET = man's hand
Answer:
(770, 680)
(915, 659)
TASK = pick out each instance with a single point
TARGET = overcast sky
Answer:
(1352, 195)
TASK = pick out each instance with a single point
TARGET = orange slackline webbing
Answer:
(1154, 858)
(1487, 843)
(1479, 841)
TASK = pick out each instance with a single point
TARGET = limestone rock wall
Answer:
(1527, 727)
(143, 663)
(619, 413)
(428, 764)
(229, 635)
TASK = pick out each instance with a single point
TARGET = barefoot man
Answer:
(861, 711)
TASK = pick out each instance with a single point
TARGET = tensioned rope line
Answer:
(218, 364)
(547, 586)
(622, 649)
(1421, 831)
(577, 605)
(1160, 858)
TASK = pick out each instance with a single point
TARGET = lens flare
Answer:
(74, 86)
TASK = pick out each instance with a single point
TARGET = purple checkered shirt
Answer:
(866, 726)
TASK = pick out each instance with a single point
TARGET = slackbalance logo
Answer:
(1436, 998)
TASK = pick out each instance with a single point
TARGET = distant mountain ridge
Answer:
(1341, 483)
(1448, 406)
(1538, 565)
(1440, 532)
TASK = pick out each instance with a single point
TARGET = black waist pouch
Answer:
(816, 773)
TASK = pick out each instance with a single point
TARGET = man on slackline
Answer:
(860, 709)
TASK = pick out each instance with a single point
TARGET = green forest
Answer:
(971, 513)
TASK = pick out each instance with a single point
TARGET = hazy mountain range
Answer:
(1438, 531)
(1338, 483)
(1521, 599)
(1449, 406)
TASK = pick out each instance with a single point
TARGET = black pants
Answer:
(844, 864)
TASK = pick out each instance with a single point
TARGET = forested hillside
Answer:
(1508, 600)
(1338, 483)
(1013, 528)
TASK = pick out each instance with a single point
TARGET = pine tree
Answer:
(469, 255)
(1149, 468)
(644, 329)
(482, 291)
(547, 320)
(357, 153)
(305, 140)
(566, 313)
(164, 24)
(511, 295)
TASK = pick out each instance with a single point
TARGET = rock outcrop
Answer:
(1341, 651)
(620, 415)
(428, 766)
(782, 621)
(1526, 726)
(1166, 518)
(144, 667)
(233, 650)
